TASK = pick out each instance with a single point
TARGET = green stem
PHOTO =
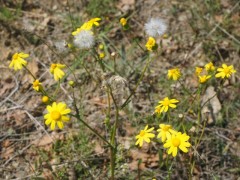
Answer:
(140, 79)
(89, 127)
(113, 135)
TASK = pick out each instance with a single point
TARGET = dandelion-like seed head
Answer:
(155, 27)
(84, 39)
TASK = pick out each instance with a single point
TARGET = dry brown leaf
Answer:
(33, 67)
(210, 99)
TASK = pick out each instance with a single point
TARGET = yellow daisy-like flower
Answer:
(57, 113)
(165, 132)
(209, 67)
(101, 55)
(18, 61)
(56, 71)
(198, 70)
(87, 25)
(151, 44)
(37, 85)
(174, 74)
(144, 135)
(204, 78)
(177, 140)
(165, 104)
(123, 21)
(225, 71)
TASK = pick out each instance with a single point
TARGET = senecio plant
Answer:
(84, 39)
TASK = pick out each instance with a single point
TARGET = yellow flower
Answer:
(101, 55)
(144, 135)
(165, 132)
(57, 113)
(123, 21)
(71, 83)
(151, 44)
(225, 71)
(101, 46)
(18, 61)
(174, 74)
(165, 104)
(204, 78)
(45, 99)
(209, 67)
(94, 21)
(198, 71)
(87, 25)
(56, 71)
(37, 85)
(177, 140)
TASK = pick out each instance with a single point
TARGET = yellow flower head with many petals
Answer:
(204, 78)
(56, 71)
(144, 135)
(174, 74)
(151, 44)
(177, 140)
(165, 132)
(123, 21)
(57, 114)
(37, 85)
(165, 104)
(18, 61)
(87, 25)
(198, 70)
(209, 67)
(225, 71)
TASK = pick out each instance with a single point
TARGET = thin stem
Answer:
(30, 72)
(113, 135)
(140, 79)
(89, 127)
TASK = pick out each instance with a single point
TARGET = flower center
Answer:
(166, 128)
(166, 102)
(142, 133)
(53, 66)
(36, 83)
(176, 142)
(226, 70)
(15, 56)
(55, 115)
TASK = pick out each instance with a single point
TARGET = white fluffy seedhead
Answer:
(155, 27)
(84, 39)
